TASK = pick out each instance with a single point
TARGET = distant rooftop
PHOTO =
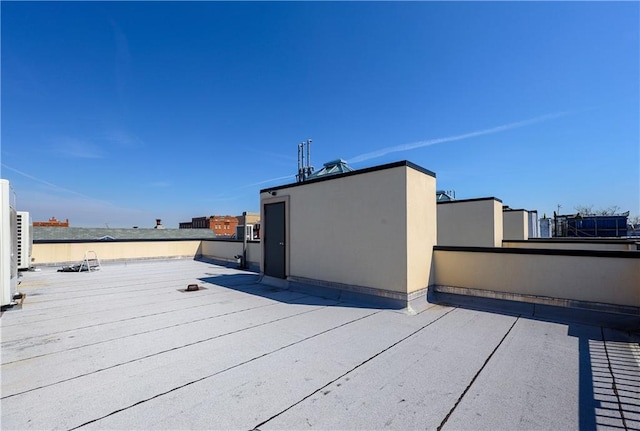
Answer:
(110, 234)
(53, 222)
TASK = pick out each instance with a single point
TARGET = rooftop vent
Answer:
(445, 195)
(333, 167)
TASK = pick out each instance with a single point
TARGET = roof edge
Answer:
(542, 251)
(489, 198)
(355, 172)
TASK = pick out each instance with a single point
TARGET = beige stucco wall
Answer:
(227, 250)
(609, 280)
(55, 253)
(566, 245)
(421, 229)
(353, 230)
(473, 223)
(515, 224)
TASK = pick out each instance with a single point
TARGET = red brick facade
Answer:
(53, 222)
(223, 225)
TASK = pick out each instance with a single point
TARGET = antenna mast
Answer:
(304, 170)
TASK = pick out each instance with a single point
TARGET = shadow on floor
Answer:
(609, 344)
(252, 267)
(609, 379)
(250, 283)
(609, 356)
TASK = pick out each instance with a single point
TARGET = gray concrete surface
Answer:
(125, 348)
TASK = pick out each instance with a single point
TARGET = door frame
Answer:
(287, 253)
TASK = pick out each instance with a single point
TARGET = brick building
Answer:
(53, 222)
(221, 225)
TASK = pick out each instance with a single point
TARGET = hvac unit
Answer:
(240, 229)
(25, 239)
(8, 245)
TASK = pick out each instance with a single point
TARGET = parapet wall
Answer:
(575, 244)
(545, 276)
(67, 252)
(596, 278)
(227, 251)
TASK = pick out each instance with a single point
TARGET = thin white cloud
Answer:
(86, 211)
(82, 212)
(419, 144)
(123, 138)
(271, 180)
(47, 183)
(71, 147)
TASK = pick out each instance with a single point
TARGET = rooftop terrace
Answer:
(127, 348)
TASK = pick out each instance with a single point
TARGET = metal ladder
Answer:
(90, 261)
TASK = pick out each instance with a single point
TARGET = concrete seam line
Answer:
(352, 369)
(169, 300)
(68, 294)
(159, 353)
(142, 316)
(614, 387)
(226, 369)
(446, 418)
(139, 333)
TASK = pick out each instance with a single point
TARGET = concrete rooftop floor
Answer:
(124, 348)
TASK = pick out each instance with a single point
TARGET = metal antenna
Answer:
(304, 170)
(299, 175)
(304, 177)
(309, 167)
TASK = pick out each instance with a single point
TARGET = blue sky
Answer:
(117, 113)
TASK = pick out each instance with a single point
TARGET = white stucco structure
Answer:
(370, 231)
(470, 222)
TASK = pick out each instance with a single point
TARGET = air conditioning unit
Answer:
(8, 246)
(249, 232)
(25, 239)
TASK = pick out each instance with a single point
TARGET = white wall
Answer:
(227, 250)
(421, 229)
(607, 280)
(515, 224)
(352, 229)
(73, 252)
(471, 223)
(8, 245)
(69, 252)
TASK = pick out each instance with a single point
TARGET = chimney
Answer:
(159, 224)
